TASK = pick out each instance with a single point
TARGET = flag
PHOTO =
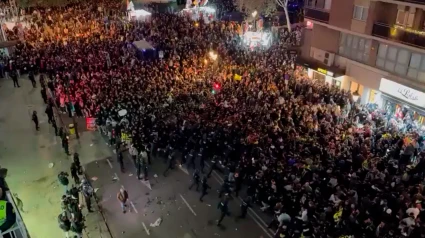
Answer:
(237, 77)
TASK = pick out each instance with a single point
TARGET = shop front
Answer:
(363, 81)
(403, 105)
(322, 73)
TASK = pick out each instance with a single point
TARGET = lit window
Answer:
(360, 13)
(405, 18)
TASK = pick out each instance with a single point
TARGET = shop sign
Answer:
(402, 92)
(324, 71)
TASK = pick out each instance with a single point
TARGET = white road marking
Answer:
(262, 228)
(187, 204)
(134, 207)
(109, 162)
(146, 183)
(184, 170)
(146, 229)
(220, 180)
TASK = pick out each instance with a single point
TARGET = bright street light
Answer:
(213, 55)
(254, 14)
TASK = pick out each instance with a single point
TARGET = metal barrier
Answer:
(18, 230)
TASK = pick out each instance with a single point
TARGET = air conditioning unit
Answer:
(323, 56)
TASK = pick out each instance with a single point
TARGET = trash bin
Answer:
(71, 129)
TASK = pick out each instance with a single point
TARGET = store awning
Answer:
(337, 72)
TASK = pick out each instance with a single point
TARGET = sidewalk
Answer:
(27, 153)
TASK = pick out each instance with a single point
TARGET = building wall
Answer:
(306, 46)
(341, 13)
(325, 39)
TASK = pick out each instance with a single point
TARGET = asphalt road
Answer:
(168, 198)
(27, 153)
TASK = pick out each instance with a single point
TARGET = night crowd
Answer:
(286, 143)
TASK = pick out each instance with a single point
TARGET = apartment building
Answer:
(373, 48)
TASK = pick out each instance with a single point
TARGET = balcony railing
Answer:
(422, 2)
(316, 14)
(18, 230)
(399, 35)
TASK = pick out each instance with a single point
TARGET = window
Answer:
(405, 18)
(403, 57)
(355, 42)
(354, 47)
(412, 73)
(320, 4)
(311, 3)
(389, 66)
(382, 52)
(415, 60)
(360, 13)
(421, 77)
(392, 53)
(400, 69)
(401, 61)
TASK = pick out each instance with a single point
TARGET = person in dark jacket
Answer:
(14, 77)
(225, 188)
(49, 112)
(214, 166)
(196, 179)
(224, 209)
(55, 127)
(204, 188)
(65, 143)
(74, 173)
(32, 79)
(63, 180)
(35, 120)
(246, 203)
(64, 223)
(44, 94)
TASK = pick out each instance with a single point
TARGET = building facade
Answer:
(372, 48)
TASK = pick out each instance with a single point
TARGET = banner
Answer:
(91, 123)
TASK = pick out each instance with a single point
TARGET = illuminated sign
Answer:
(324, 71)
(402, 92)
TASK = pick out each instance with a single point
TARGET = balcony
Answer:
(421, 2)
(398, 34)
(316, 14)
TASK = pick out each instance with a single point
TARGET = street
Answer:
(27, 154)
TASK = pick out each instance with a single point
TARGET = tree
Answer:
(284, 5)
(263, 7)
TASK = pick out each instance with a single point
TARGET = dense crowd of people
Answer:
(292, 141)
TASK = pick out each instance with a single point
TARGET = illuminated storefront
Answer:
(403, 103)
(326, 76)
